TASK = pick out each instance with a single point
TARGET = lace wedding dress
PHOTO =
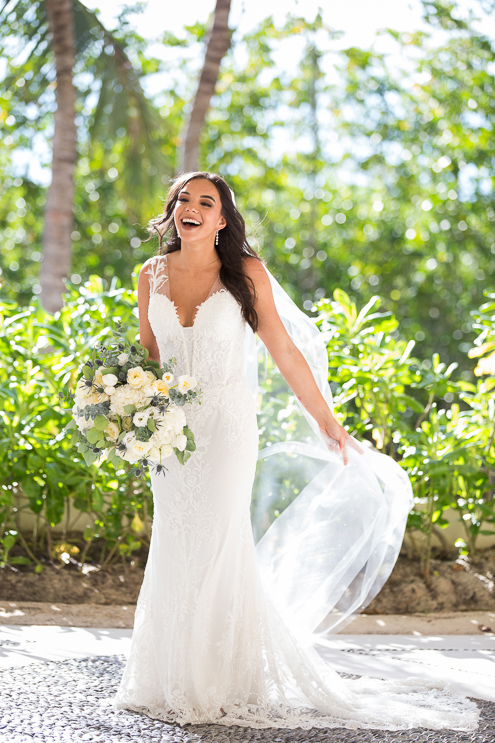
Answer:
(209, 643)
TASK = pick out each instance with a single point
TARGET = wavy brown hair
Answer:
(232, 245)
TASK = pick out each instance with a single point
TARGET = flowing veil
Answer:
(329, 552)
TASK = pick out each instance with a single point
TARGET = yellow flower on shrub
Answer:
(486, 366)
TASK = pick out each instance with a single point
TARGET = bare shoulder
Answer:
(255, 269)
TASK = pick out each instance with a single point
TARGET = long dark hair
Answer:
(232, 243)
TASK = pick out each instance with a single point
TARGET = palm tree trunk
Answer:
(59, 203)
(218, 44)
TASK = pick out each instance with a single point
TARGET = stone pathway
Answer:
(56, 683)
(67, 702)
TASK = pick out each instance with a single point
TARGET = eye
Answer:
(205, 203)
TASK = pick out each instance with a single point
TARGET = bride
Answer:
(225, 630)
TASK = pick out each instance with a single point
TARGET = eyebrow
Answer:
(204, 196)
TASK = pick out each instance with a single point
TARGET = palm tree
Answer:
(218, 45)
(66, 31)
(59, 202)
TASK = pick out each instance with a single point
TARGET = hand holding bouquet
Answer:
(128, 408)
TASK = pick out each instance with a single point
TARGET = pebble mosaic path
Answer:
(60, 702)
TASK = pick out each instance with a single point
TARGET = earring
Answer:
(216, 237)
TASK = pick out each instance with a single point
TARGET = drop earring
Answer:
(216, 237)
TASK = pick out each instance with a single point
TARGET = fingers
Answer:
(343, 450)
(355, 445)
(348, 441)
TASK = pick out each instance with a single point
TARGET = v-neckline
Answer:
(198, 306)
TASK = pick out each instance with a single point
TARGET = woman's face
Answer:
(198, 211)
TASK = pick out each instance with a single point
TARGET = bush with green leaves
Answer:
(441, 430)
(384, 394)
(40, 471)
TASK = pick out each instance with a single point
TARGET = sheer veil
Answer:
(326, 556)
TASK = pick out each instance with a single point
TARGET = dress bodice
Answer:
(212, 349)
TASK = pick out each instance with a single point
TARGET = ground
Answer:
(456, 585)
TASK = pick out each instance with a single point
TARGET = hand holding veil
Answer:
(326, 556)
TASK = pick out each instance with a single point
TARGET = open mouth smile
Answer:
(189, 223)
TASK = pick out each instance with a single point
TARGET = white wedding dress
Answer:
(210, 644)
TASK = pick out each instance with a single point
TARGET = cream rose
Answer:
(112, 430)
(90, 399)
(137, 377)
(141, 448)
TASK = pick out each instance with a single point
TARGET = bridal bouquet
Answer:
(128, 408)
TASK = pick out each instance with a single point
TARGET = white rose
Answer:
(168, 378)
(129, 438)
(140, 418)
(109, 390)
(113, 430)
(154, 454)
(109, 380)
(137, 377)
(131, 457)
(186, 383)
(166, 450)
(141, 448)
(180, 442)
(83, 424)
(122, 359)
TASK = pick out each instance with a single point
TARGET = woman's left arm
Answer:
(290, 360)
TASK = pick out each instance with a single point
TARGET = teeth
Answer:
(190, 221)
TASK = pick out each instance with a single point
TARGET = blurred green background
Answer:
(363, 169)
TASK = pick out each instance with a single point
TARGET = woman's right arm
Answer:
(146, 335)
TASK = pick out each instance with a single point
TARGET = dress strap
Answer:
(158, 273)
